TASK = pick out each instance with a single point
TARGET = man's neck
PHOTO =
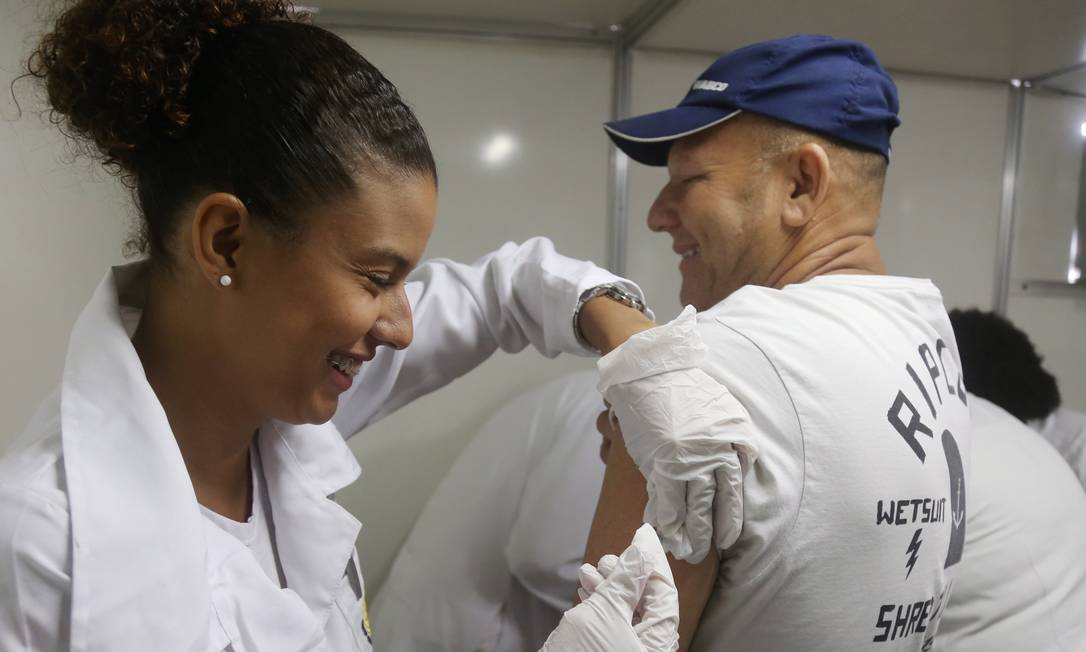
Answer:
(857, 254)
(841, 241)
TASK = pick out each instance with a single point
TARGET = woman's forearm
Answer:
(606, 323)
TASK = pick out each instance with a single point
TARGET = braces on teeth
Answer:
(344, 364)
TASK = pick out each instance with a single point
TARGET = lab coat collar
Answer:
(304, 467)
(139, 559)
(133, 509)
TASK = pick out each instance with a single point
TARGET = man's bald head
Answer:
(862, 172)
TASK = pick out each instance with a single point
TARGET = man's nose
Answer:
(394, 327)
(663, 215)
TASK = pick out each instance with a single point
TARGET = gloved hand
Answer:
(687, 434)
(630, 604)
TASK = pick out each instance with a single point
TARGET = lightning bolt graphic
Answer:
(912, 550)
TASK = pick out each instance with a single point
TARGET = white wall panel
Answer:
(550, 100)
(1048, 188)
(64, 224)
(940, 213)
(1049, 177)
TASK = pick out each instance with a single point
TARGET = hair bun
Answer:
(116, 71)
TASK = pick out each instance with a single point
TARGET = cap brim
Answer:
(647, 138)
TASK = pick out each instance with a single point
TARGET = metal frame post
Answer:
(618, 192)
(1012, 154)
(627, 35)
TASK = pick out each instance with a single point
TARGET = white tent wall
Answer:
(64, 223)
(1047, 200)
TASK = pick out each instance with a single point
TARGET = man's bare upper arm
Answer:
(619, 512)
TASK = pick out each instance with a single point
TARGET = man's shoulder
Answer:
(845, 310)
(758, 302)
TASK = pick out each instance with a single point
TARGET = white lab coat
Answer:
(1065, 429)
(102, 544)
(1022, 581)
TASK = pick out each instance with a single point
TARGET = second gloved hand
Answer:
(687, 434)
(630, 604)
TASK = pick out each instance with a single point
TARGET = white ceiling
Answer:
(990, 39)
(1072, 82)
(994, 39)
(598, 14)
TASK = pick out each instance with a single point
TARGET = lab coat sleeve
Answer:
(35, 582)
(515, 296)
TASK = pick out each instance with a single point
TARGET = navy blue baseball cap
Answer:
(830, 86)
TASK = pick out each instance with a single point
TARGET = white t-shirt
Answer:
(258, 532)
(1066, 430)
(1022, 581)
(854, 513)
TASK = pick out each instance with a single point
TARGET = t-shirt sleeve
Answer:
(35, 578)
(773, 486)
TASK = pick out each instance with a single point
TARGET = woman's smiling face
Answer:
(312, 310)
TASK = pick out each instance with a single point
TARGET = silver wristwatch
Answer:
(610, 291)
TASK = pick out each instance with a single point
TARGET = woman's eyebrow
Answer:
(385, 254)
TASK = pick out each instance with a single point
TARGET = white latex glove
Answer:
(685, 431)
(630, 604)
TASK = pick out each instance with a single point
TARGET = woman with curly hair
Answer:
(177, 491)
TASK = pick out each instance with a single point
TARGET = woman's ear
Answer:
(220, 229)
(808, 170)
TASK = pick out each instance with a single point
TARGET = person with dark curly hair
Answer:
(177, 491)
(1002, 365)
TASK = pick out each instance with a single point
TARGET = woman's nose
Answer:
(394, 327)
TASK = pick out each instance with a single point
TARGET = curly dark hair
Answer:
(1001, 365)
(181, 97)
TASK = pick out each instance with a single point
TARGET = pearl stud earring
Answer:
(225, 280)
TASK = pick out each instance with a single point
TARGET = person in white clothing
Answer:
(491, 562)
(176, 492)
(1002, 365)
(1065, 429)
(1021, 584)
(845, 522)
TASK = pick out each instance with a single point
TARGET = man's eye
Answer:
(691, 179)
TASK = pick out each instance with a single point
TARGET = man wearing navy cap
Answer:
(845, 528)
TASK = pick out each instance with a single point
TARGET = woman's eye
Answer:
(380, 281)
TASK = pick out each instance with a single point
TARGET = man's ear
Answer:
(220, 228)
(808, 170)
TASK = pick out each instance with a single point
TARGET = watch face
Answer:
(623, 297)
